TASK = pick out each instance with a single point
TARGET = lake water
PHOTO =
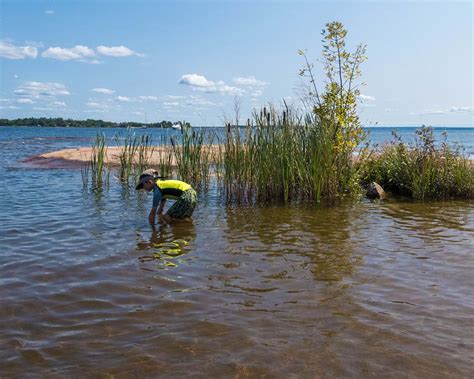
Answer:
(366, 289)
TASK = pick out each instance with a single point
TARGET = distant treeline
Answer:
(61, 122)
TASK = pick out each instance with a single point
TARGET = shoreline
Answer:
(78, 157)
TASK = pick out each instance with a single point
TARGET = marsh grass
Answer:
(193, 154)
(283, 156)
(98, 162)
(421, 170)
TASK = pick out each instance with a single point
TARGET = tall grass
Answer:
(422, 170)
(193, 155)
(98, 161)
(283, 156)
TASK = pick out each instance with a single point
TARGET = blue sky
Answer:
(188, 60)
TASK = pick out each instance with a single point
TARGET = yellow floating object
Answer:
(172, 252)
(170, 245)
(170, 264)
(181, 242)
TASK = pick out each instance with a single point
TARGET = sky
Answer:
(149, 61)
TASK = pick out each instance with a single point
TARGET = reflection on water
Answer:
(358, 290)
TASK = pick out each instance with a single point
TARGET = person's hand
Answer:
(161, 219)
(151, 218)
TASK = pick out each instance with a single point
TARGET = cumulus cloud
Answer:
(249, 81)
(25, 101)
(85, 54)
(435, 112)
(39, 90)
(105, 91)
(93, 104)
(145, 98)
(461, 110)
(58, 103)
(201, 83)
(171, 104)
(78, 52)
(124, 99)
(116, 51)
(172, 97)
(9, 51)
(366, 97)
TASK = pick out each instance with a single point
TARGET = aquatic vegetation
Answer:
(98, 164)
(421, 170)
(193, 154)
(284, 156)
(135, 153)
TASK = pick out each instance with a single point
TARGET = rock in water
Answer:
(375, 191)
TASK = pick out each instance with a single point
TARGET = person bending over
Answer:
(182, 192)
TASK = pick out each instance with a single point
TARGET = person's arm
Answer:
(162, 205)
(151, 216)
(160, 209)
(157, 206)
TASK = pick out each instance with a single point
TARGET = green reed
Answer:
(128, 148)
(144, 152)
(98, 164)
(193, 155)
(422, 170)
(164, 157)
(85, 169)
(285, 156)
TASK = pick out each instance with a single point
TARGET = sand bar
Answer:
(78, 157)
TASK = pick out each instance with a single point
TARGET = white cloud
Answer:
(25, 101)
(249, 81)
(49, 11)
(435, 112)
(171, 104)
(43, 109)
(366, 97)
(172, 97)
(105, 91)
(9, 107)
(79, 53)
(124, 99)
(116, 51)
(256, 93)
(461, 110)
(58, 103)
(9, 51)
(200, 83)
(39, 90)
(144, 98)
(195, 101)
(93, 104)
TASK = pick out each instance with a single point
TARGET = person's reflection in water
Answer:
(182, 230)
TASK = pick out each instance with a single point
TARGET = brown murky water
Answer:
(374, 289)
(365, 290)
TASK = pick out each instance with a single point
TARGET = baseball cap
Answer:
(146, 176)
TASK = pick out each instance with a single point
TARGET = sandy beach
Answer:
(77, 157)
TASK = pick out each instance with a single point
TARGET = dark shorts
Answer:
(184, 206)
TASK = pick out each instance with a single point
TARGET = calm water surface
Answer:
(362, 290)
